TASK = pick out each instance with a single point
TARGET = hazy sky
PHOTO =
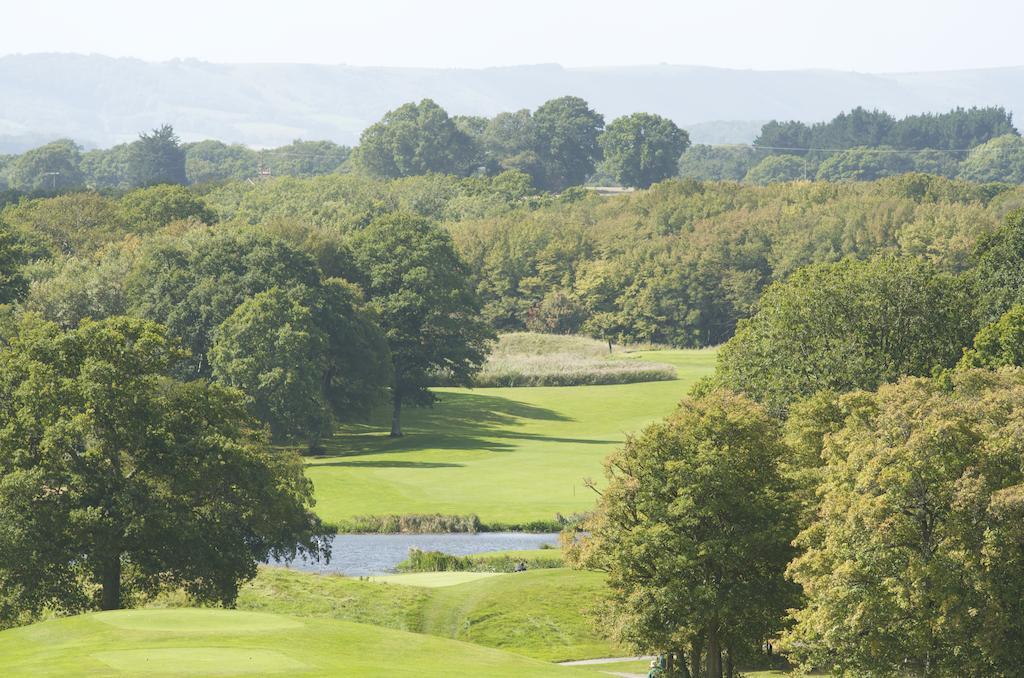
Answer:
(862, 35)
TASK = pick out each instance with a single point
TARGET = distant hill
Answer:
(100, 101)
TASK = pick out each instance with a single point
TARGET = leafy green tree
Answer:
(998, 275)
(694, 531)
(213, 161)
(508, 136)
(73, 223)
(306, 158)
(53, 168)
(148, 209)
(912, 565)
(775, 168)
(271, 348)
(865, 164)
(642, 148)
(13, 283)
(414, 139)
(566, 131)
(70, 289)
(999, 344)
(1001, 159)
(305, 358)
(717, 163)
(117, 482)
(108, 168)
(156, 158)
(192, 284)
(420, 291)
(848, 325)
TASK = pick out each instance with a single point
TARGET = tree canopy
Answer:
(419, 289)
(848, 325)
(156, 158)
(117, 482)
(913, 560)
(414, 139)
(694, 530)
(642, 149)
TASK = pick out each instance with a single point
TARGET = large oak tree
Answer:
(421, 293)
(116, 481)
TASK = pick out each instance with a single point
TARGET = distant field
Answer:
(540, 613)
(509, 455)
(194, 642)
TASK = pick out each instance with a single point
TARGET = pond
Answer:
(370, 554)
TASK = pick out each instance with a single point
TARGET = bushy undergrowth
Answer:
(534, 359)
(438, 561)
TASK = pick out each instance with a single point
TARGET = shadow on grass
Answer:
(458, 421)
(391, 464)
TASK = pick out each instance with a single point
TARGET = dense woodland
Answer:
(859, 438)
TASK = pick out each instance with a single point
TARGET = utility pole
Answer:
(53, 179)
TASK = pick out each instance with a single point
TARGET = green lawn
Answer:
(194, 642)
(540, 613)
(509, 455)
(433, 580)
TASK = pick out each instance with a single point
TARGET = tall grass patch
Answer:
(533, 359)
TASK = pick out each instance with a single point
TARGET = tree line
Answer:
(561, 144)
(976, 144)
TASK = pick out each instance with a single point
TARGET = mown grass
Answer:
(507, 455)
(205, 642)
(531, 359)
(432, 580)
(539, 613)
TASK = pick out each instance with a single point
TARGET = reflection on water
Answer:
(366, 554)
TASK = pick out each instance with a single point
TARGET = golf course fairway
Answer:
(206, 642)
(508, 455)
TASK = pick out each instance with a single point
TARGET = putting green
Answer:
(199, 661)
(194, 642)
(509, 455)
(433, 580)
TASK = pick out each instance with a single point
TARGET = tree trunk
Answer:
(110, 599)
(396, 416)
(729, 668)
(669, 664)
(609, 345)
(714, 655)
(695, 652)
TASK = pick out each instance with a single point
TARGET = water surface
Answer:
(369, 554)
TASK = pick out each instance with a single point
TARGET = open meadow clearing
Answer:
(508, 455)
(205, 642)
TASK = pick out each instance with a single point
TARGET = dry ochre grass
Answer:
(533, 359)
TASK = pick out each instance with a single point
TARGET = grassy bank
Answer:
(539, 613)
(510, 456)
(193, 642)
(500, 561)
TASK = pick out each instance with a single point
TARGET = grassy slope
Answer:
(191, 642)
(510, 455)
(539, 614)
